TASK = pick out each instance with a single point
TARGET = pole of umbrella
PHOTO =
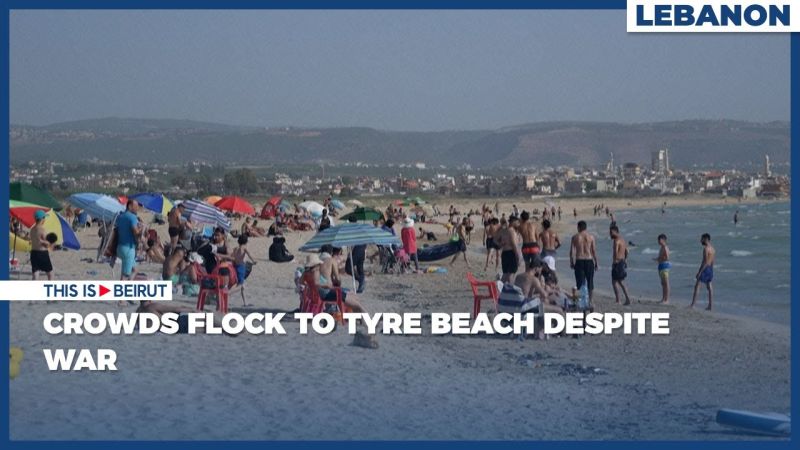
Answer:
(352, 268)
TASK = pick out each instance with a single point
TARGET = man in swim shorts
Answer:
(705, 274)
(619, 264)
(175, 225)
(510, 256)
(549, 240)
(583, 258)
(491, 227)
(663, 267)
(528, 231)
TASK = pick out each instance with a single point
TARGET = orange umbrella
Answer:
(212, 199)
(235, 204)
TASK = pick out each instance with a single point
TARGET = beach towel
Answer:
(512, 300)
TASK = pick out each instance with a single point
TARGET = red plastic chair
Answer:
(312, 302)
(219, 289)
(478, 296)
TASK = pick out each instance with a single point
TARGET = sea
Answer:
(752, 269)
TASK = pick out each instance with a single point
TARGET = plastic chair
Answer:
(312, 302)
(478, 296)
(214, 283)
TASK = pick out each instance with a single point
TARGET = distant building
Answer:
(767, 170)
(660, 161)
(631, 171)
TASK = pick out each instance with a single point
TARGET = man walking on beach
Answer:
(549, 239)
(175, 226)
(510, 255)
(583, 258)
(619, 264)
(128, 231)
(489, 231)
(527, 229)
(663, 267)
(705, 274)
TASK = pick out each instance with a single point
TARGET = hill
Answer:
(552, 143)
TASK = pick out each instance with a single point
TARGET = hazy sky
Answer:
(400, 70)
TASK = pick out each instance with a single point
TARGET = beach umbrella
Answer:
(211, 199)
(235, 204)
(98, 206)
(197, 211)
(337, 204)
(362, 214)
(355, 202)
(414, 201)
(154, 202)
(24, 211)
(18, 244)
(350, 235)
(285, 205)
(123, 199)
(29, 193)
(54, 223)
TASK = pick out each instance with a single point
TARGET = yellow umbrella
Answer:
(17, 243)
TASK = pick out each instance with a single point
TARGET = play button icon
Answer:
(103, 290)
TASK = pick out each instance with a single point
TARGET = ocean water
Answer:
(752, 269)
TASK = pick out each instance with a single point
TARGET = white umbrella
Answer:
(355, 202)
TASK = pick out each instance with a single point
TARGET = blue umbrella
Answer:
(153, 202)
(98, 206)
(337, 204)
(349, 235)
(198, 211)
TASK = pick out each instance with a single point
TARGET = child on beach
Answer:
(663, 267)
(239, 255)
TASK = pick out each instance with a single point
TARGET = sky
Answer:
(393, 70)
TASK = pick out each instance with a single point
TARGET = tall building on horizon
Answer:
(660, 161)
(767, 170)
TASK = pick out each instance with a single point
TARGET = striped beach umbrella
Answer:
(24, 211)
(198, 211)
(154, 202)
(349, 235)
(235, 204)
(98, 206)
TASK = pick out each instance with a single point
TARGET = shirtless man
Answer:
(510, 256)
(491, 228)
(175, 225)
(583, 258)
(531, 284)
(528, 231)
(461, 232)
(326, 277)
(619, 258)
(705, 274)
(40, 247)
(173, 264)
(549, 240)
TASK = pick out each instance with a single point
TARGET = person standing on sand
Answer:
(559, 214)
(40, 247)
(510, 255)
(575, 213)
(663, 267)
(461, 234)
(549, 240)
(175, 225)
(705, 274)
(128, 228)
(528, 231)
(583, 258)
(490, 229)
(619, 264)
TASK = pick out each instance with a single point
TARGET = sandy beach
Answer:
(411, 387)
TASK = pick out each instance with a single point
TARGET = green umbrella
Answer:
(31, 194)
(414, 201)
(362, 213)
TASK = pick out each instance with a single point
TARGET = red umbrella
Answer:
(122, 199)
(235, 204)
